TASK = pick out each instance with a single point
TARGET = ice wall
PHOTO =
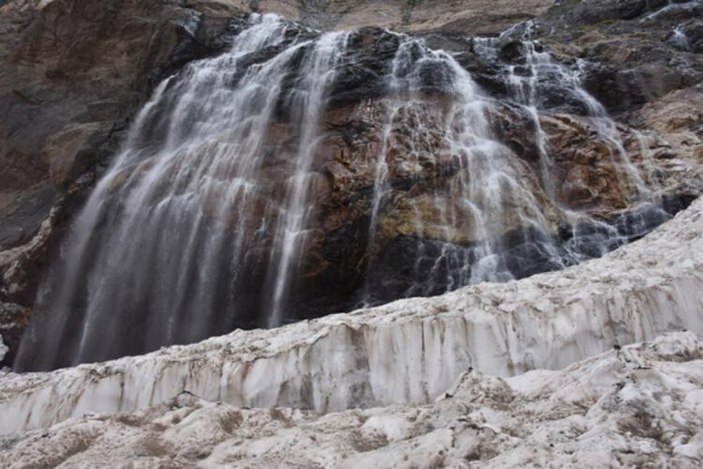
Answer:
(605, 411)
(409, 351)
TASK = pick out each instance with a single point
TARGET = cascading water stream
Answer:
(476, 200)
(674, 6)
(523, 86)
(321, 66)
(523, 82)
(679, 38)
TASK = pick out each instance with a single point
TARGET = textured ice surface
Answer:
(407, 352)
(639, 406)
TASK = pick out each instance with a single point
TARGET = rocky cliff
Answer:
(76, 74)
(73, 75)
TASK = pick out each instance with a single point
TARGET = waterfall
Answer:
(159, 253)
(320, 68)
(205, 218)
(589, 237)
(674, 7)
(679, 39)
(471, 206)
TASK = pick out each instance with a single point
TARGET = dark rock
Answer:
(489, 75)
(364, 74)
(609, 85)
(621, 89)
(513, 52)
(677, 10)
(21, 220)
(694, 36)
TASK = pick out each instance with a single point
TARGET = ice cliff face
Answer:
(641, 405)
(408, 352)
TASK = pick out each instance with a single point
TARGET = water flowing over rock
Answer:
(302, 173)
(72, 76)
(3, 349)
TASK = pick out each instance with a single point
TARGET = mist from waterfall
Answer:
(163, 250)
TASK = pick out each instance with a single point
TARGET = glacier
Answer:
(635, 406)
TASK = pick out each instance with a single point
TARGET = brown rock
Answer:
(72, 150)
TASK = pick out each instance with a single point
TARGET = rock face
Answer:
(409, 351)
(604, 411)
(379, 227)
(401, 15)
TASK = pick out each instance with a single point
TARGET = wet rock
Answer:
(81, 69)
(364, 77)
(694, 36)
(587, 166)
(627, 60)
(677, 10)
(23, 215)
(620, 89)
(513, 126)
(3, 350)
(607, 83)
(512, 52)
